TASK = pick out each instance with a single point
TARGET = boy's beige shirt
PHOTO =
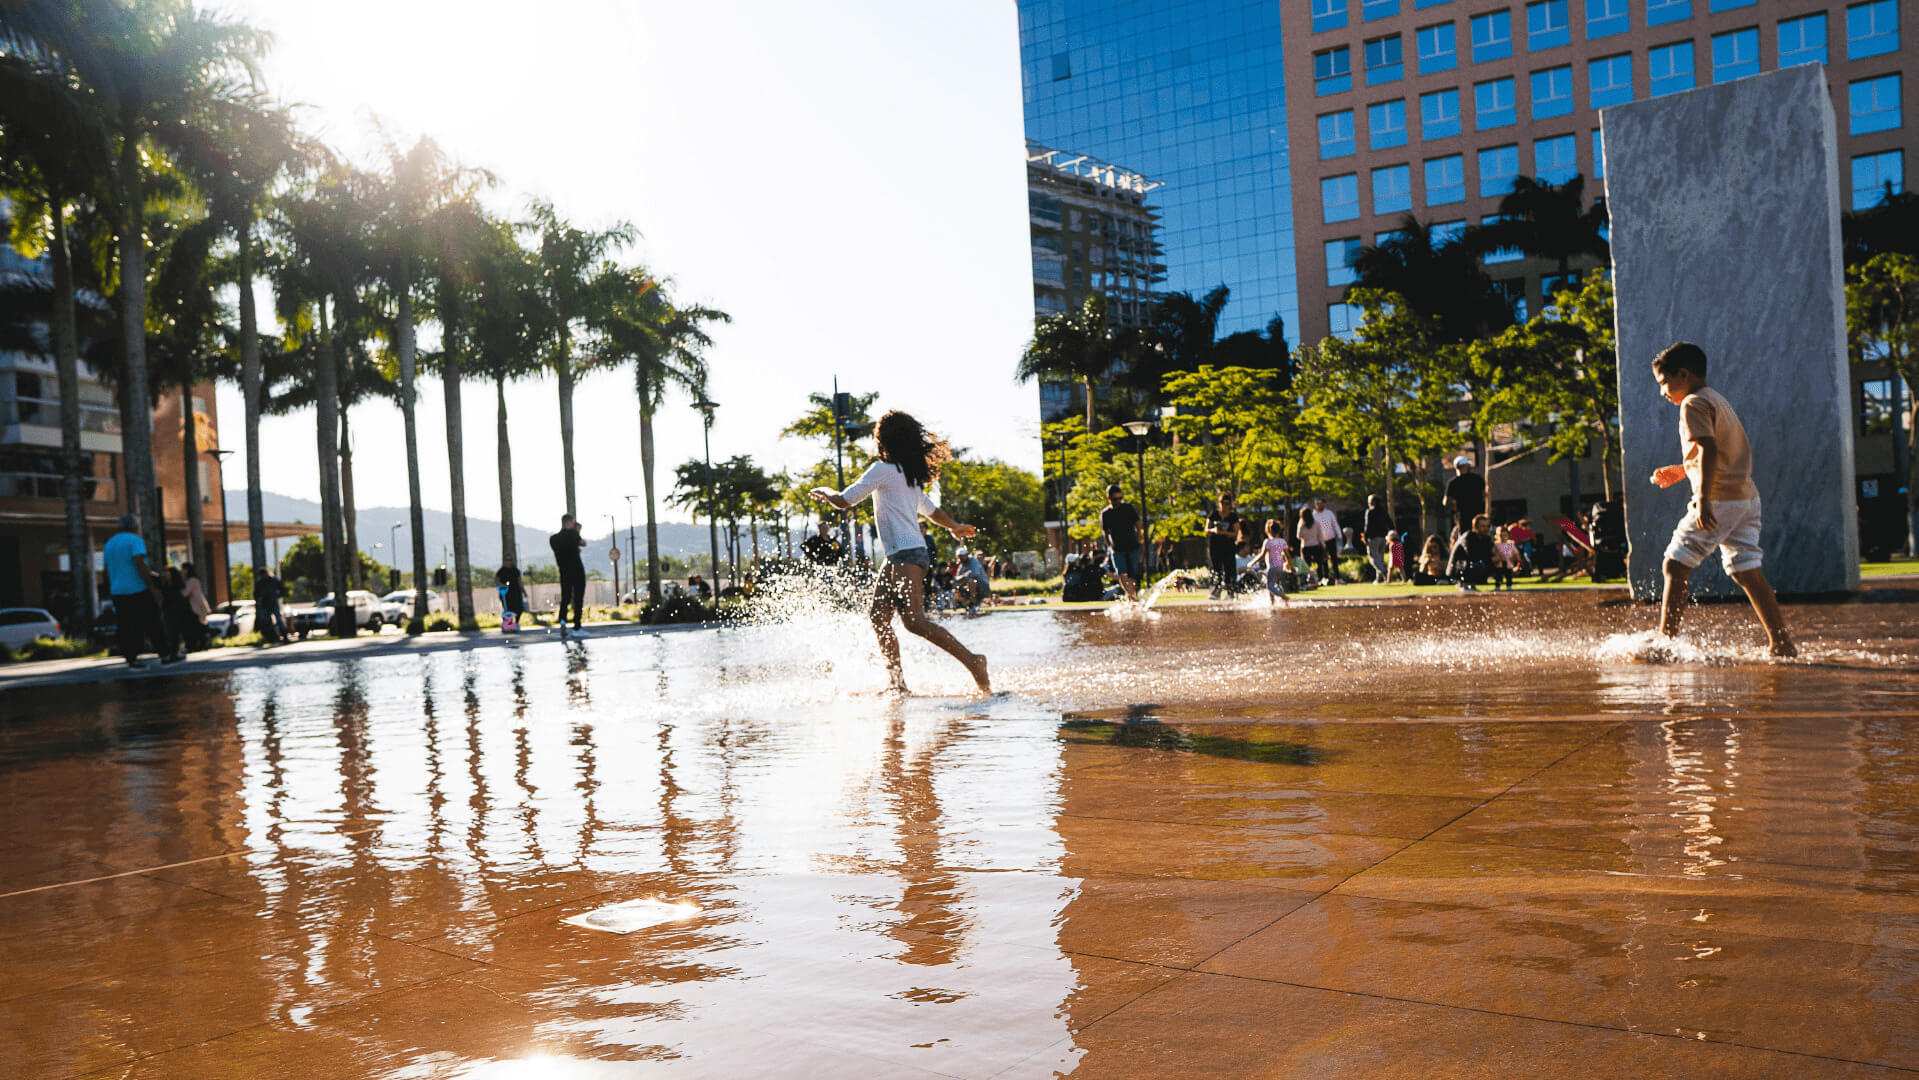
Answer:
(1707, 414)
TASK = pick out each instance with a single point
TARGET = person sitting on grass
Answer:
(971, 586)
(1471, 563)
(1432, 562)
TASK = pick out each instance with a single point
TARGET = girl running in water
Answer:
(909, 462)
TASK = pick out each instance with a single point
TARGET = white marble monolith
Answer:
(1725, 233)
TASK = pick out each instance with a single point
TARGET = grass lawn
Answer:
(1898, 567)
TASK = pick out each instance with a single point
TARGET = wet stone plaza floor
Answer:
(1487, 836)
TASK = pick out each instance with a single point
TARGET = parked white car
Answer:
(231, 620)
(22, 626)
(368, 614)
(404, 599)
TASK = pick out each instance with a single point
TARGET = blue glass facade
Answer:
(1192, 95)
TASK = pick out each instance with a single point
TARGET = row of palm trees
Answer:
(141, 154)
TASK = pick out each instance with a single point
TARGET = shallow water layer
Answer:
(1481, 836)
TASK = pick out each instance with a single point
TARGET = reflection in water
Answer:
(367, 865)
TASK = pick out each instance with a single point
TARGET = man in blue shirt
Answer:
(136, 599)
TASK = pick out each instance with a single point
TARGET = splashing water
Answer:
(1652, 647)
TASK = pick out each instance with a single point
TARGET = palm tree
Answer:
(53, 151)
(666, 344)
(572, 262)
(245, 148)
(508, 324)
(460, 233)
(417, 184)
(1073, 346)
(1546, 221)
(152, 63)
(186, 342)
(1438, 279)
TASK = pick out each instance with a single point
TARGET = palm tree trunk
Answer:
(565, 371)
(456, 479)
(416, 509)
(250, 392)
(66, 351)
(327, 423)
(509, 555)
(1087, 385)
(137, 445)
(356, 571)
(190, 477)
(646, 481)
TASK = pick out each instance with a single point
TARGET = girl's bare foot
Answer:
(977, 668)
(1783, 646)
(897, 685)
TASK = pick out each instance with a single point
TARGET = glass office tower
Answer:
(1190, 93)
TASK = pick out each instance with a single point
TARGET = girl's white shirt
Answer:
(897, 504)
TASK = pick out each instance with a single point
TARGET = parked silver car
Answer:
(22, 626)
(231, 620)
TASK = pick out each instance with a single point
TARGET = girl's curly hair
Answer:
(918, 452)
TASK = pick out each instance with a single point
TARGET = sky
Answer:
(845, 179)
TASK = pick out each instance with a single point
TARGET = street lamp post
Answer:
(706, 406)
(393, 548)
(613, 537)
(226, 561)
(632, 552)
(1139, 430)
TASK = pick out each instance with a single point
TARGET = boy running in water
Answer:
(1725, 505)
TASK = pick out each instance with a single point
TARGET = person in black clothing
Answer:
(1472, 556)
(1465, 494)
(821, 549)
(1222, 544)
(268, 619)
(1378, 528)
(1120, 522)
(566, 545)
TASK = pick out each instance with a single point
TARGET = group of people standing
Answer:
(164, 608)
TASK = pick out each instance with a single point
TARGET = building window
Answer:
(1498, 168)
(1438, 49)
(1872, 29)
(1051, 269)
(1333, 70)
(1445, 180)
(1421, 5)
(1492, 36)
(1448, 232)
(1383, 63)
(1874, 105)
(1735, 55)
(1438, 114)
(1550, 285)
(1604, 18)
(1877, 176)
(1599, 156)
(1392, 189)
(1729, 5)
(1875, 406)
(1339, 261)
(1661, 12)
(1556, 160)
(1514, 290)
(1500, 255)
(1670, 67)
(1386, 125)
(1387, 236)
(1609, 81)
(1378, 9)
(1548, 26)
(1552, 92)
(1062, 66)
(1493, 105)
(1802, 41)
(1328, 15)
(1343, 320)
(1339, 198)
(1336, 135)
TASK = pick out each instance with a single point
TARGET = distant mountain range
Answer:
(482, 534)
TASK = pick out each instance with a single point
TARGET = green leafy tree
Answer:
(1381, 401)
(1236, 433)
(1003, 500)
(1882, 323)
(1103, 458)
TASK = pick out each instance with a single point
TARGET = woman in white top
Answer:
(909, 462)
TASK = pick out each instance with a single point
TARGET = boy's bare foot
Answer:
(977, 668)
(897, 685)
(1783, 646)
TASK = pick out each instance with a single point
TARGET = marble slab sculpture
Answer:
(1725, 233)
